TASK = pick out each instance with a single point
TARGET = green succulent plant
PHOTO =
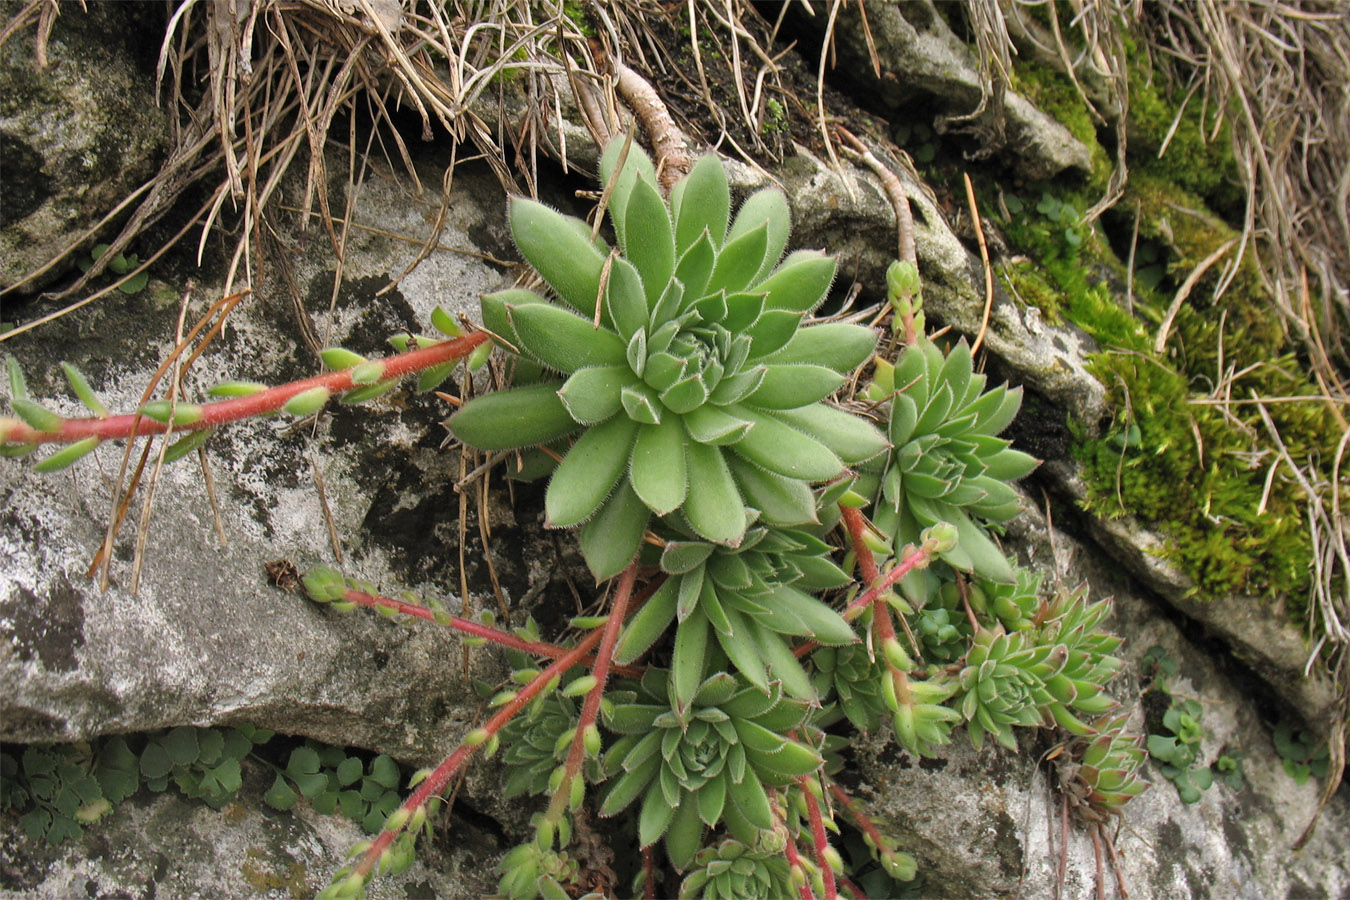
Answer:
(1001, 687)
(749, 597)
(683, 368)
(947, 463)
(731, 870)
(851, 677)
(702, 764)
(1107, 776)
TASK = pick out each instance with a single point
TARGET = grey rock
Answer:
(75, 138)
(924, 62)
(166, 846)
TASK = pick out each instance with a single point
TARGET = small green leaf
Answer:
(657, 468)
(339, 358)
(648, 239)
(738, 262)
(35, 415)
(307, 402)
(569, 262)
(784, 450)
(713, 506)
(565, 341)
(767, 207)
(443, 322)
(592, 395)
(186, 444)
(794, 385)
(611, 539)
(281, 796)
(589, 472)
(67, 456)
(702, 200)
(647, 624)
(237, 389)
(155, 761)
(80, 385)
(519, 417)
(686, 667)
(837, 345)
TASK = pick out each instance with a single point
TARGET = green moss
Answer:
(1193, 159)
(1197, 473)
(1055, 95)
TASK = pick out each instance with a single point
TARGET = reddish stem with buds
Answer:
(14, 431)
(438, 779)
(818, 837)
(468, 626)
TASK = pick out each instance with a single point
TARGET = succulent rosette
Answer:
(685, 371)
(948, 463)
(731, 870)
(707, 764)
(749, 598)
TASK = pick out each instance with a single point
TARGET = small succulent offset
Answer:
(948, 463)
(707, 765)
(747, 597)
(682, 364)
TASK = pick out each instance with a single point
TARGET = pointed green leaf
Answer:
(680, 557)
(686, 394)
(702, 200)
(685, 835)
(801, 283)
(692, 271)
(687, 663)
(626, 299)
(711, 798)
(564, 340)
(636, 164)
(67, 456)
(791, 386)
(791, 761)
(852, 438)
(738, 262)
(647, 624)
(496, 317)
(592, 395)
(772, 331)
(710, 425)
(822, 623)
(658, 470)
(38, 417)
(767, 207)
(519, 417)
(610, 541)
(641, 403)
(648, 239)
(713, 506)
(589, 472)
(749, 798)
(783, 665)
(838, 345)
(80, 385)
(569, 262)
(782, 449)
(654, 818)
(780, 501)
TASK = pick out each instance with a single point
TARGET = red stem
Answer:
(14, 431)
(468, 626)
(818, 838)
(854, 809)
(438, 779)
(649, 869)
(576, 755)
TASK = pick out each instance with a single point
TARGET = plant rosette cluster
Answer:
(947, 463)
(704, 764)
(1054, 675)
(684, 371)
(752, 598)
